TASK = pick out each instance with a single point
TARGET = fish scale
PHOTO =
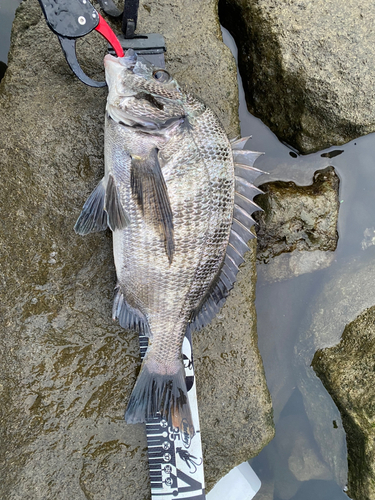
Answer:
(219, 161)
(162, 312)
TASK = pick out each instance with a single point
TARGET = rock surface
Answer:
(297, 232)
(66, 369)
(347, 372)
(307, 67)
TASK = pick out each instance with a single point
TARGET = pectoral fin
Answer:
(93, 216)
(102, 209)
(117, 218)
(150, 191)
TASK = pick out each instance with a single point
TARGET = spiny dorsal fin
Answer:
(239, 143)
(245, 156)
(240, 234)
(150, 191)
(246, 188)
(247, 172)
(93, 216)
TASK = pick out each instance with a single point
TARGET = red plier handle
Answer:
(105, 30)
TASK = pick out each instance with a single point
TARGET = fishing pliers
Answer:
(72, 19)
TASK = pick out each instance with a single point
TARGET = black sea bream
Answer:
(177, 196)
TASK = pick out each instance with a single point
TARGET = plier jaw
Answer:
(72, 19)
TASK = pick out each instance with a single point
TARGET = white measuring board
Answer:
(175, 459)
(241, 483)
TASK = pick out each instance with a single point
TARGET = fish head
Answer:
(141, 95)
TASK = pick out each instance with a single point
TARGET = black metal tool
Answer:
(129, 14)
(150, 46)
(72, 19)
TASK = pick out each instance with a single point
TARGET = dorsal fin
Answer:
(245, 156)
(239, 143)
(240, 234)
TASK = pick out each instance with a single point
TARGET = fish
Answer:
(177, 195)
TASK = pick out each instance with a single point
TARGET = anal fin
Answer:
(129, 317)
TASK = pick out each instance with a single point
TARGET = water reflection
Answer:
(307, 458)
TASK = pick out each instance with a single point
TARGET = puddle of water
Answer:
(308, 423)
(7, 11)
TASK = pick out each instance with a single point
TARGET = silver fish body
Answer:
(169, 194)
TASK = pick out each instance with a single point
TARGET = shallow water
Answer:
(288, 316)
(7, 10)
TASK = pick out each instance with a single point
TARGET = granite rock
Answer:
(293, 457)
(66, 369)
(307, 66)
(348, 290)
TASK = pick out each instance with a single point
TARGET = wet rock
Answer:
(286, 485)
(297, 219)
(286, 266)
(347, 372)
(304, 462)
(307, 67)
(66, 369)
(368, 238)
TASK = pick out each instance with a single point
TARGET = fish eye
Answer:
(161, 75)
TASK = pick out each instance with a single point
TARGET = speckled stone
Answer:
(308, 67)
(67, 370)
(297, 232)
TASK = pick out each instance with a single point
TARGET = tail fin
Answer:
(166, 395)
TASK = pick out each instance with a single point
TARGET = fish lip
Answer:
(118, 61)
(114, 67)
(127, 61)
(109, 58)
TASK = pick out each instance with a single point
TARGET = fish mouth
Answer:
(128, 61)
(115, 66)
